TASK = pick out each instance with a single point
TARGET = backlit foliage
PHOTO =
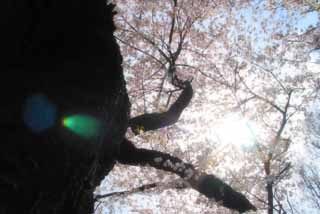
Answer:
(248, 59)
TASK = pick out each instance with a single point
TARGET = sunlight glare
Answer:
(236, 131)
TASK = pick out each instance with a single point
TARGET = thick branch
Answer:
(154, 121)
(209, 185)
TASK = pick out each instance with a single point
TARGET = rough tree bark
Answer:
(58, 58)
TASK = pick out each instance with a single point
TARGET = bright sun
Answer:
(236, 131)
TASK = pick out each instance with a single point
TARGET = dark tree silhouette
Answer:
(147, 122)
(209, 185)
(59, 59)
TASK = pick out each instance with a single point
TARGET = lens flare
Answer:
(83, 125)
(39, 113)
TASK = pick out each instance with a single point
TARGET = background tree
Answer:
(310, 173)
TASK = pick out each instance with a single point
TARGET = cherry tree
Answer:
(244, 58)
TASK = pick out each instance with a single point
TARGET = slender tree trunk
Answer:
(269, 186)
(270, 197)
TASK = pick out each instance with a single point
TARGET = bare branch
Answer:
(140, 50)
(272, 74)
(261, 98)
(224, 83)
(150, 41)
(175, 184)
(144, 95)
(173, 18)
(244, 101)
(283, 171)
(292, 209)
(161, 88)
(134, 190)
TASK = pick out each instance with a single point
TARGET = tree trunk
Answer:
(270, 197)
(59, 59)
(269, 186)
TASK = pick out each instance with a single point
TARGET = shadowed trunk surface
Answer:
(59, 58)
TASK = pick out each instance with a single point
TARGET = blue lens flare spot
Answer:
(83, 125)
(39, 113)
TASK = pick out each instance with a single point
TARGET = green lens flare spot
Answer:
(83, 125)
